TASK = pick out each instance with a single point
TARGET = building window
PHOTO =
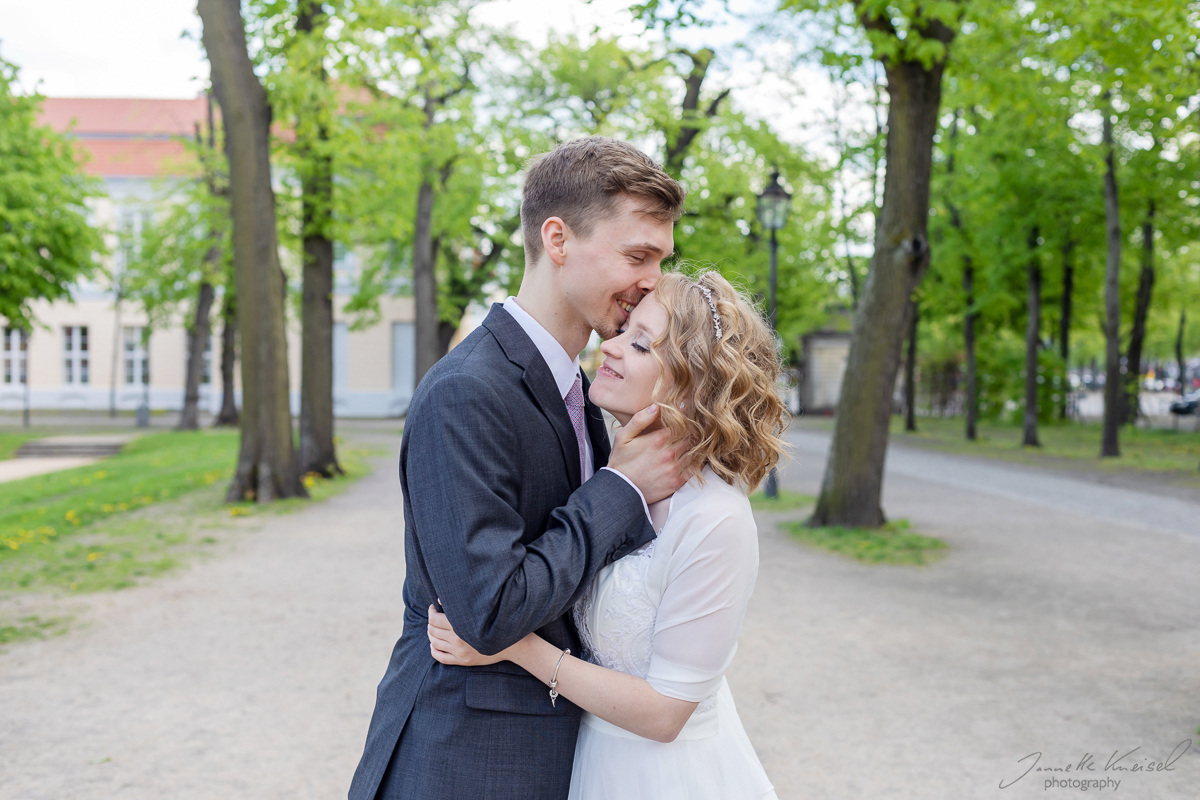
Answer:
(75, 355)
(404, 347)
(16, 345)
(137, 357)
(341, 372)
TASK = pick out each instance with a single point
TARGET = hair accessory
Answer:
(713, 306)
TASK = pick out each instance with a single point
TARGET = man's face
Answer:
(607, 274)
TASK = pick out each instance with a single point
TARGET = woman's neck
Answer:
(658, 513)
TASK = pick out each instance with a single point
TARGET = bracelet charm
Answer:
(554, 677)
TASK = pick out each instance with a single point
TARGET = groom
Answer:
(502, 525)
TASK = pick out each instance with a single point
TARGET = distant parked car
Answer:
(1188, 404)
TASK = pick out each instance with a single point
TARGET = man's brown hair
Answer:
(582, 181)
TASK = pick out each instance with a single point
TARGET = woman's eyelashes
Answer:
(636, 344)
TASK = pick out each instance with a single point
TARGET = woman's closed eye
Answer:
(636, 344)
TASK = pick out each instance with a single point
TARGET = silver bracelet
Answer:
(554, 677)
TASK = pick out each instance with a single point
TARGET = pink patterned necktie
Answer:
(574, 402)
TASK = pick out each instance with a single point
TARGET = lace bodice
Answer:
(671, 611)
(615, 617)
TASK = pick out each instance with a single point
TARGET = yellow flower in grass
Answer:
(95, 556)
(72, 517)
(238, 511)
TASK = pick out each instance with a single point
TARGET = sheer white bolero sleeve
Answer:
(703, 572)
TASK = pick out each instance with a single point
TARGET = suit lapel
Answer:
(597, 433)
(521, 350)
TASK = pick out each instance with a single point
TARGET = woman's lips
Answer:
(608, 371)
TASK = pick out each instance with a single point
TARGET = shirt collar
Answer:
(562, 366)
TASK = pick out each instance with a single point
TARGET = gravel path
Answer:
(1057, 624)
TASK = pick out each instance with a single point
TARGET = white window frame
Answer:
(76, 355)
(134, 353)
(16, 356)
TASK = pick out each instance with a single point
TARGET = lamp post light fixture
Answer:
(773, 206)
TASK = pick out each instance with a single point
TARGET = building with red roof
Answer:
(89, 352)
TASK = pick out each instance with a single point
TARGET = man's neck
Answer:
(540, 300)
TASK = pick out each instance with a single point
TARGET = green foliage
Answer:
(893, 543)
(46, 242)
(181, 241)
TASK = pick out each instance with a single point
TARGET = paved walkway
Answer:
(14, 469)
(252, 675)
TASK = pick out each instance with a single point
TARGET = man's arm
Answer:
(462, 470)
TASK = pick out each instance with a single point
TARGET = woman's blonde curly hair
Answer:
(718, 394)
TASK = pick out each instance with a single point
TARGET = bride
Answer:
(661, 624)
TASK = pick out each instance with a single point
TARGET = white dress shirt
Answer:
(564, 369)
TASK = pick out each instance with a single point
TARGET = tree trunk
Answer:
(971, 390)
(425, 283)
(317, 450)
(1137, 335)
(1064, 319)
(198, 337)
(267, 467)
(1110, 445)
(1179, 352)
(691, 124)
(228, 415)
(853, 484)
(1033, 327)
(969, 318)
(910, 371)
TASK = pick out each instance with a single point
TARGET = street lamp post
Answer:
(773, 206)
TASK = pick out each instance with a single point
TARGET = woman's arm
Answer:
(624, 700)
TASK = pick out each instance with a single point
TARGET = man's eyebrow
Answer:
(650, 246)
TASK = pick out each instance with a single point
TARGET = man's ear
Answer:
(554, 239)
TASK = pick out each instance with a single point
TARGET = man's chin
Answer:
(606, 328)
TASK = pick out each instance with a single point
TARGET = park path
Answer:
(252, 674)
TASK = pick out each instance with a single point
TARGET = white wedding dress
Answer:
(670, 613)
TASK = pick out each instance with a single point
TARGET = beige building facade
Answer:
(92, 353)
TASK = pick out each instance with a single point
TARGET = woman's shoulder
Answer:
(708, 493)
(704, 508)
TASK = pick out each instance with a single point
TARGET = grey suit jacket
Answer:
(498, 527)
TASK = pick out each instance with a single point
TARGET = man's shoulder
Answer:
(477, 361)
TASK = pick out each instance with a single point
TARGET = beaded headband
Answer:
(713, 306)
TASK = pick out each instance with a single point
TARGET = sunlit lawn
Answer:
(893, 543)
(130, 517)
(1075, 444)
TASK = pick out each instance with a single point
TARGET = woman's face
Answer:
(624, 384)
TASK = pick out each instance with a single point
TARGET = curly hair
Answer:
(718, 394)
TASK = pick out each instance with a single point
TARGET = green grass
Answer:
(1074, 444)
(32, 627)
(36, 511)
(894, 543)
(786, 501)
(159, 503)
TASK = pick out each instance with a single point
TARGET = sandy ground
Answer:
(13, 469)
(1055, 626)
